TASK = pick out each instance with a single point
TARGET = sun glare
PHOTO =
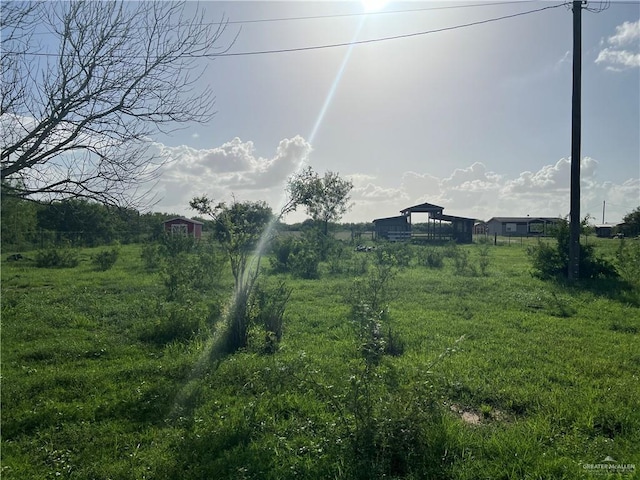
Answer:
(373, 5)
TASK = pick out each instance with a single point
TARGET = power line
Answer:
(342, 15)
(383, 39)
(355, 42)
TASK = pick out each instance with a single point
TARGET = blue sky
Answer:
(475, 119)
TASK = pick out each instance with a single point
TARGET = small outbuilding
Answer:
(183, 226)
(521, 226)
(606, 230)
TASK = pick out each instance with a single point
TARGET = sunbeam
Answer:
(213, 349)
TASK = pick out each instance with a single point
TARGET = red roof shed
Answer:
(184, 226)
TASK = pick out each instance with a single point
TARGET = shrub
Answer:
(205, 268)
(54, 257)
(175, 244)
(176, 322)
(461, 264)
(551, 261)
(628, 262)
(483, 258)
(433, 258)
(270, 304)
(338, 258)
(398, 253)
(305, 264)
(281, 250)
(151, 256)
(106, 259)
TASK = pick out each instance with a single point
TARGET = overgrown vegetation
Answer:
(552, 261)
(358, 374)
(106, 259)
(57, 257)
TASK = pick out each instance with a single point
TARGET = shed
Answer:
(605, 230)
(480, 228)
(183, 226)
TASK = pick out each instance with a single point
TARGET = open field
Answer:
(496, 376)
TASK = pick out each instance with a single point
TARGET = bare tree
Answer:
(77, 114)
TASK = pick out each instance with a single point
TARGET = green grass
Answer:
(88, 391)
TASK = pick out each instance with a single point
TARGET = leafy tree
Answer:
(18, 221)
(82, 221)
(326, 198)
(239, 228)
(77, 115)
(631, 226)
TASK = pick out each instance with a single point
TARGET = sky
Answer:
(476, 119)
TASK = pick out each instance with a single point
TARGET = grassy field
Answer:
(494, 375)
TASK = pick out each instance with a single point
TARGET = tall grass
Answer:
(105, 377)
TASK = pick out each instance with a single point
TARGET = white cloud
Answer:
(478, 193)
(230, 169)
(626, 34)
(618, 59)
(623, 50)
(234, 168)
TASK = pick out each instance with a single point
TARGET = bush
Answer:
(151, 256)
(305, 264)
(433, 257)
(551, 261)
(398, 253)
(281, 250)
(483, 257)
(338, 258)
(106, 259)
(628, 262)
(461, 264)
(296, 256)
(54, 257)
(177, 322)
(270, 305)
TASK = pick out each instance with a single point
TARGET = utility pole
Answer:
(574, 213)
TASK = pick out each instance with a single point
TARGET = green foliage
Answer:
(270, 303)
(80, 221)
(57, 257)
(627, 262)
(151, 256)
(398, 253)
(298, 256)
(432, 257)
(375, 289)
(105, 259)
(174, 245)
(238, 228)
(325, 198)
(18, 222)
(281, 250)
(104, 378)
(338, 258)
(369, 299)
(551, 261)
(631, 227)
(305, 263)
(177, 321)
(483, 257)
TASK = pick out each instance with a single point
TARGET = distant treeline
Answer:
(26, 224)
